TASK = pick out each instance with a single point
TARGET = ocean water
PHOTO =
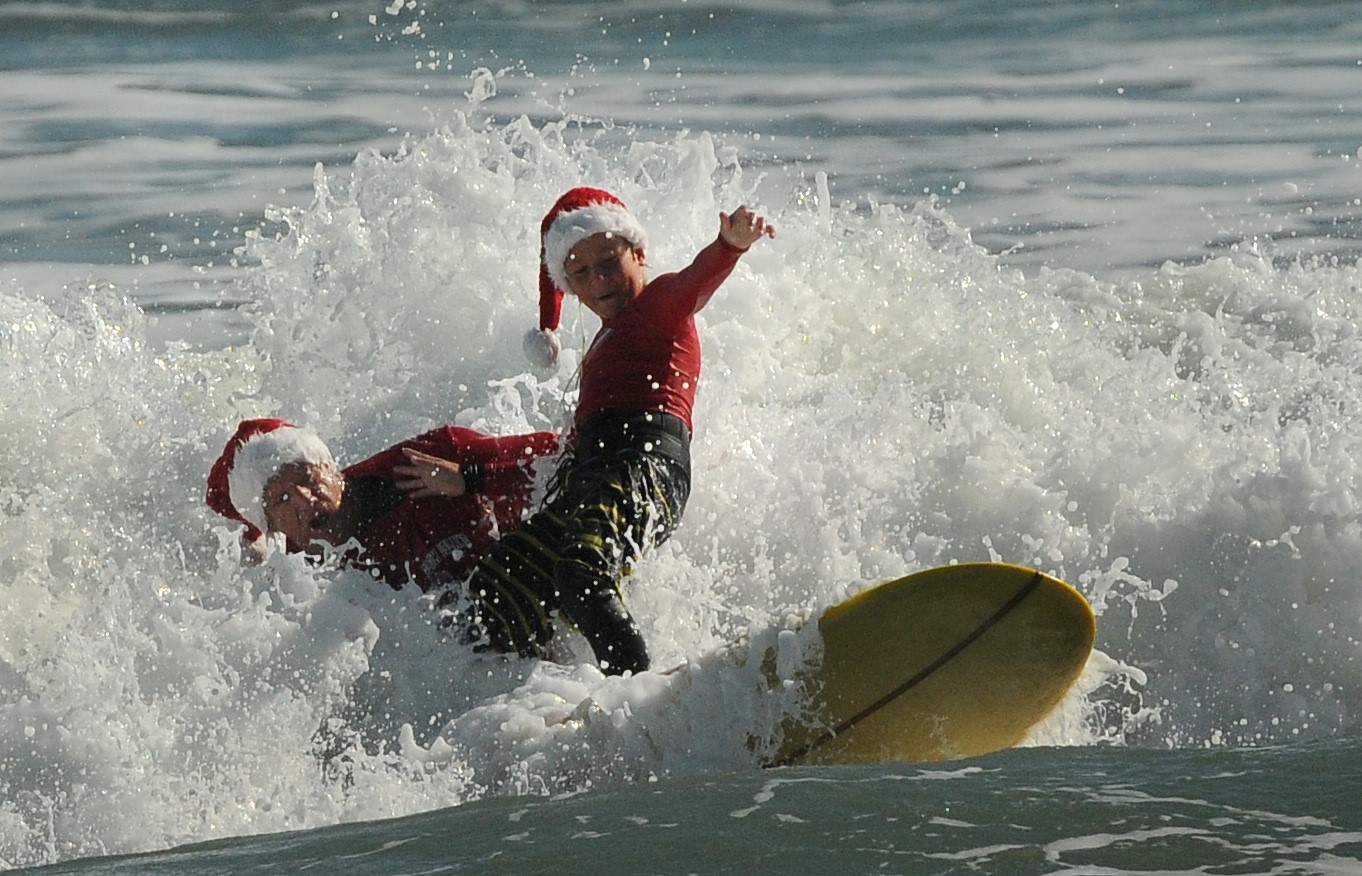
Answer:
(1067, 285)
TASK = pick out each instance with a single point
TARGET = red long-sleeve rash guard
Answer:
(436, 541)
(648, 357)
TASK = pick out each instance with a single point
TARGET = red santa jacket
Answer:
(437, 541)
(648, 357)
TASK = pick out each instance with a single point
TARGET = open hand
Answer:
(425, 476)
(742, 227)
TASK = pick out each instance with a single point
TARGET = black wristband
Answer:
(474, 478)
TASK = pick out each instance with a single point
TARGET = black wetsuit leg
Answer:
(622, 493)
(612, 513)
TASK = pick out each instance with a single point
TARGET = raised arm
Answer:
(742, 228)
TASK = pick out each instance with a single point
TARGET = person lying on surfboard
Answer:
(623, 482)
(423, 511)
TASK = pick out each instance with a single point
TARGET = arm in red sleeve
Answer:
(503, 465)
(490, 466)
(695, 284)
(501, 471)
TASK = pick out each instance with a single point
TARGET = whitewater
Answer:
(881, 393)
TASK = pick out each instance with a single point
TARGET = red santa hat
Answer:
(236, 483)
(577, 215)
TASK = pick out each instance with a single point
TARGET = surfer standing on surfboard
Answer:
(624, 479)
(424, 511)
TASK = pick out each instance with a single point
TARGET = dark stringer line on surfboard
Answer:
(926, 672)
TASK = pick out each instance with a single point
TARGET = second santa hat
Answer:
(577, 215)
(236, 483)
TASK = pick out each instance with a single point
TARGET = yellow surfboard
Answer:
(951, 662)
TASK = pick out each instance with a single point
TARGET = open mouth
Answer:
(320, 521)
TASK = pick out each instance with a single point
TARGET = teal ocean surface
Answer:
(1024, 811)
(1064, 285)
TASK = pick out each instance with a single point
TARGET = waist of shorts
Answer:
(612, 430)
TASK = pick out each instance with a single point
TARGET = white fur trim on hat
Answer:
(260, 458)
(572, 226)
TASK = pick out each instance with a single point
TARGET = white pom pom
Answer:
(542, 347)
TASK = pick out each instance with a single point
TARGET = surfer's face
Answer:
(302, 501)
(606, 272)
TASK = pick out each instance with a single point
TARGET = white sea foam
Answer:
(879, 396)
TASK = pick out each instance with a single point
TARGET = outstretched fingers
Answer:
(742, 227)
